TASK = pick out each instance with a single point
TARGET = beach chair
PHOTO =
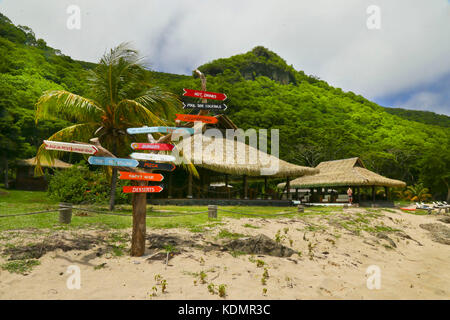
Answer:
(423, 206)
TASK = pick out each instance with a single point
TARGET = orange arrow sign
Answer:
(193, 118)
(124, 175)
(137, 189)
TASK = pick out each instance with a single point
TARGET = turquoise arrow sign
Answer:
(159, 129)
(115, 162)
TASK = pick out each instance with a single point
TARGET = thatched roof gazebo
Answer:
(25, 178)
(344, 173)
(232, 157)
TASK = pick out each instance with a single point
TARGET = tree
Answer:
(120, 97)
(417, 192)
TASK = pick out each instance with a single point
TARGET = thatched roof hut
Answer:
(58, 164)
(343, 173)
(240, 161)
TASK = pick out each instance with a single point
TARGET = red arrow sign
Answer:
(204, 94)
(147, 189)
(70, 147)
(193, 118)
(124, 175)
(152, 146)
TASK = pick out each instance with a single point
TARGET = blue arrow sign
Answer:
(115, 162)
(159, 129)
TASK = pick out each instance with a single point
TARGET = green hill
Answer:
(317, 122)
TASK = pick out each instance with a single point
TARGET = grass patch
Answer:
(20, 266)
(230, 235)
(248, 225)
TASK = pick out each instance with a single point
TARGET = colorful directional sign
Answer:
(143, 189)
(160, 129)
(124, 175)
(156, 166)
(70, 147)
(193, 118)
(152, 146)
(204, 94)
(205, 106)
(153, 157)
(115, 162)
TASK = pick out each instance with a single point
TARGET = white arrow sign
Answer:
(70, 147)
(152, 157)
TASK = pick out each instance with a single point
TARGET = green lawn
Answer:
(16, 202)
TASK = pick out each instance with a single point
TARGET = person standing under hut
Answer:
(350, 195)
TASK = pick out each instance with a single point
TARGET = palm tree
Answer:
(120, 97)
(418, 192)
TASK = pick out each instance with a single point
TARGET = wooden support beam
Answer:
(245, 183)
(227, 188)
(386, 192)
(288, 189)
(169, 187)
(265, 187)
(190, 195)
(373, 193)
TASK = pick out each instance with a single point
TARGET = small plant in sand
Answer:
(211, 288)
(155, 291)
(203, 276)
(260, 263)
(310, 250)
(222, 290)
(100, 266)
(163, 285)
(265, 276)
(202, 261)
(264, 291)
(291, 242)
(286, 230)
(158, 278)
(278, 237)
(195, 282)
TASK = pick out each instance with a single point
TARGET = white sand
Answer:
(332, 271)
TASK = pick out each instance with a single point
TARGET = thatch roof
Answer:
(44, 163)
(240, 164)
(346, 172)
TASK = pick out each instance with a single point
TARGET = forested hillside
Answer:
(317, 122)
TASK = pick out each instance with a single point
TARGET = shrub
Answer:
(78, 184)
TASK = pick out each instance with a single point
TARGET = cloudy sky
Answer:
(405, 63)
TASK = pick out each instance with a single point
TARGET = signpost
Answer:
(205, 106)
(193, 118)
(70, 147)
(204, 94)
(156, 166)
(159, 129)
(152, 156)
(115, 162)
(152, 146)
(142, 189)
(124, 175)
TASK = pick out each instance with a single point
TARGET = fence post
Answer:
(65, 212)
(300, 208)
(212, 211)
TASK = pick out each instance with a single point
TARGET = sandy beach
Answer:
(331, 255)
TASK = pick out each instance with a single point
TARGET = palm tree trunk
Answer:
(6, 173)
(112, 192)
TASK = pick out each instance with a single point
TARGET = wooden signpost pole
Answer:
(139, 222)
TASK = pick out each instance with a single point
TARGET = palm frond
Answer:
(68, 106)
(162, 103)
(132, 113)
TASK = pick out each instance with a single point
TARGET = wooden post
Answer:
(169, 187)
(189, 195)
(265, 187)
(373, 193)
(212, 211)
(226, 185)
(296, 193)
(288, 189)
(245, 187)
(386, 192)
(65, 212)
(139, 222)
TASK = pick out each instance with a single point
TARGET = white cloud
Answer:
(322, 37)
